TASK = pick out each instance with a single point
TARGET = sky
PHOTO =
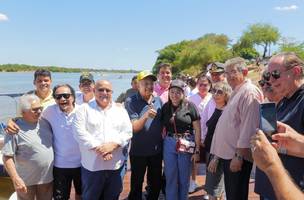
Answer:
(126, 34)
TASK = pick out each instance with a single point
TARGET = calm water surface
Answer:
(20, 82)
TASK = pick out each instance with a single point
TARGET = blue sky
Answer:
(126, 34)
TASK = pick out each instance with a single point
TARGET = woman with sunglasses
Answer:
(181, 145)
(214, 185)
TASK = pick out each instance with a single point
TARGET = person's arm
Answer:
(10, 167)
(267, 159)
(283, 186)
(289, 139)
(197, 128)
(12, 127)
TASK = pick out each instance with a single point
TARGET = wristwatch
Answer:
(238, 156)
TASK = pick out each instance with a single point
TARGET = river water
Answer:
(21, 82)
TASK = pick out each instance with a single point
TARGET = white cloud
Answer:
(286, 8)
(3, 17)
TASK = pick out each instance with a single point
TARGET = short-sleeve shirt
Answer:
(184, 115)
(238, 122)
(289, 111)
(32, 151)
(148, 141)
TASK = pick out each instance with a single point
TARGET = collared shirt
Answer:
(66, 148)
(205, 107)
(161, 92)
(238, 122)
(289, 111)
(148, 141)
(32, 151)
(49, 100)
(79, 98)
(94, 126)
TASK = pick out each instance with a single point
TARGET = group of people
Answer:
(164, 128)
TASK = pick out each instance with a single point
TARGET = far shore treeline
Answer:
(26, 68)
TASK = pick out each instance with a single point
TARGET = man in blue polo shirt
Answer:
(146, 145)
(285, 73)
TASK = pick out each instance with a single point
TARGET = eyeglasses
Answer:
(104, 90)
(263, 82)
(217, 91)
(64, 95)
(203, 84)
(35, 110)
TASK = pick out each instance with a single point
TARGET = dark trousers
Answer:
(63, 178)
(139, 165)
(237, 183)
(104, 184)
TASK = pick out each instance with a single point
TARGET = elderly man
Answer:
(164, 76)
(28, 155)
(239, 120)
(146, 146)
(86, 86)
(66, 149)
(285, 73)
(102, 129)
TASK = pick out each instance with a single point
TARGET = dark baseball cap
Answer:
(86, 76)
(178, 84)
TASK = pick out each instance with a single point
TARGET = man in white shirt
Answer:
(66, 149)
(102, 128)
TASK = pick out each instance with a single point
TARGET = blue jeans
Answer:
(103, 184)
(177, 168)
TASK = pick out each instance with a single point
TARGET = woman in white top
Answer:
(201, 100)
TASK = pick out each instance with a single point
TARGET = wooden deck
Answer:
(198, 195)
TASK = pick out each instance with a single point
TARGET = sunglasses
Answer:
(276, 74)
(35, 110)
(104, 90)
(263, 82)
(64, 95)
(217, 91)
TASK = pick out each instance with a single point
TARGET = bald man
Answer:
(102, 129)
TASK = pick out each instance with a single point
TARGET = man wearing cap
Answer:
(164, 75)
(86, 86)
(216, 70)
(144, 110)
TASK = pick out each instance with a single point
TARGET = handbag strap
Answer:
(173, 120)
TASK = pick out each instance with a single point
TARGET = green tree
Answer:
(263, 35)
(292, 46)
(193, 56)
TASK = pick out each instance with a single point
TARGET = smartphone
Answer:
(268, 118)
